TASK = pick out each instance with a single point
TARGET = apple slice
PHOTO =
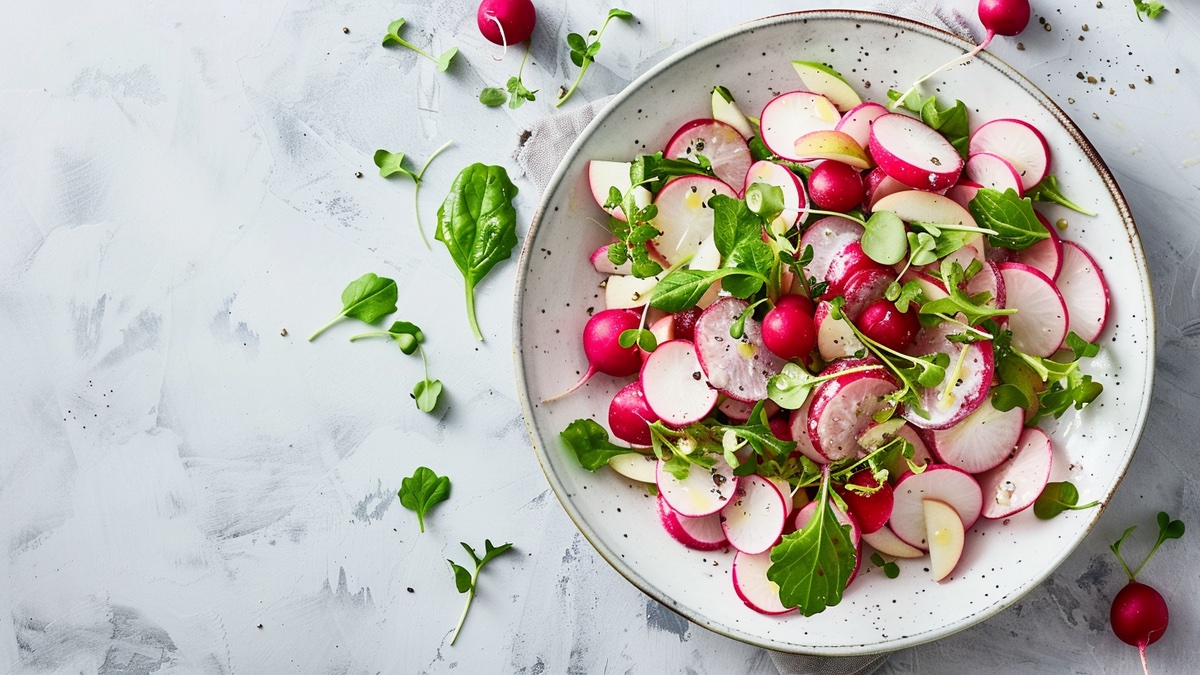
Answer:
(684, 217)
(886, 542)
(725, 109)
(835, 338)
(701, 534)
(1018, 142)
(751, 584)
(636, 466)
(831, 144)
(789, 116)
(625, 291)
(739, 367)
(857, 121)
(753, 518)
(913, 153)
(674, 384)
(992, 171)
(794, 197)
(878, 186)
(1040, 324)
(604, 175)
(1017, 483)
(718, 142)
(917, 206)
(701, 493)
(1084, 292)
(943, 483)
(824, 80)
(981, 441)
(945, 534)
(842, 407)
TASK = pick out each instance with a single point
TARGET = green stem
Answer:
(417, 192)
(415, 48)
(424, 363)
(322, 328)
(587, 61)
(949, 227)
(377, 333)
(521, 68)
(421, 522)
(819, 212)
(471, 312)
(463, 617)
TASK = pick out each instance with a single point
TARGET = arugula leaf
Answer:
(422, 491)
(1152, 9)
(584, 50)
(392, 163)
(951, 122)
(1080, 347)
(811, 566)
(393, 38)
(682, 289)
(884, 238)
(367, 299)
(653, 171)
(1010, 216)
(468, 582)
(406, 335)
(1058, 497)
(589, 441)
(1047, 191)
(493, 97)
(478, 224)
(973, 307)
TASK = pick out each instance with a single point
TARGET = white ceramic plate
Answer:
(556, 290)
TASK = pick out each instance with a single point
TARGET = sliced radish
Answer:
(828, 237)
(931, 287)
(674, 384)
(1040, 324)
(798, 424)
(842, 408)
(886, 542)
(604, 175)
(684, 217)
(963, 192)
(1084, 292)
(864, 288)
(1017, 483)
(880, 185)
(821, 79)
(990, 280)
(794, 197)
(636, 466)
(789, 116)
(1046, 255)
(753, 518)
(707, 257)
(702, 534)
(835, 338)
(967, 382)
(1020, 143)
(955, 487)
(603, 265)
(832, 145)
(703, 492)
(806, 514)
(738, 411)
(718, 142)
(785, 489)
(917, 206)
(857, 122)
(981, 441)
(913, 153)
(740, 367)
(849, 261)
(992, 171)
(751, 584)
(663, 330)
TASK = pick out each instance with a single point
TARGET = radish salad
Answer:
(841, 322)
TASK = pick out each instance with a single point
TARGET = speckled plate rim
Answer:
(541, 447)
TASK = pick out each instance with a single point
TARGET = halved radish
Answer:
(636, 466)
(1040, 324)
(1084, 292)
(988, 279)
(702, 534)
(857, 121)
(880, 185)
(821, 79)
(717, 141)
(789, 116)
(806, 514)
(913, 153)
(944, 533)
(943, 483)
(674, 384)
(967, 382)
(1046, 254)
(684, 217)
(963, 192)
(663, 330)
(604, 175)
(751, 584)
(740, 367)
(992, 171)
(794, 197)
(828, 237)
(842, 408)
(981, 441)
(917, 206)
(703, 492)
(871, 511)
(1018, 142)
(833, 145)
(603, 265)
(753, 518)
(630, 416)
(1017, 483)
(835, 338)
(849, 261)
(863, 288)
(886, 542)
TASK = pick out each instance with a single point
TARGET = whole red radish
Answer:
(506, 22)
(685, 324)
(1139, 614)
(835, 186)
(602, 347)
(806, 305)
(871, 510)
(789, 332)
(630, 416)
(888, 326)
(1003, 17)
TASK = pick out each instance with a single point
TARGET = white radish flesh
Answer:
(794, 197)
(701, 534)
(1017, 483)
(1046, 255)
(674, 384)
(829, 237)
(1084, 292)
(718, 142)
(842, 408)
(751, 584)
(1040, 324)
(913, 153)
(963, 192)
(804, 515)
(1018, 142)
(992, 171)
(880, 185)
(754, 517)
(857, 122)
(636, 466)
(981, 441)
(966, 384)
(943, 483)
(789, 116)
(886, 542)
(990, 280)
(739, 367)
(684, 217)
(703, 492)
(604, 175)
(799, 426)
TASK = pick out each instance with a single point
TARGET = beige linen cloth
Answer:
(542, 146)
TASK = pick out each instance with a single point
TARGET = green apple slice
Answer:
(726, 110)
(823, 80)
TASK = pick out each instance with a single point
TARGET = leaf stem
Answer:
(413, 47)
(377, 333)
(949, 64)
(471, 311)
(470, 596)
(417, 191)
(587, 61)
(851, 216)
(323, 328)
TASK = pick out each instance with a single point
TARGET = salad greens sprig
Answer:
(468, 582)
(584, 50)
(515, 92)
(392, 163)
(590, 443)
(1059, 497)
(1151, 9)
(1048, 191)
(409, 338)
(368, 299)
(393, 38)
(422, 491)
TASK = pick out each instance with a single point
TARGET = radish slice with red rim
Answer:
(913, 153)
(752, 586)
(992, 171)
(701, 534)
(943, 483)
(842, 407)
(604, 175)
(806, 514)
(684, 217)
(963, 192)
(1015, 485)
(603, 265)
(674, 385)
(1045, 255)
(798, 423)
(917, 206)
(1084, 292)
(738, 367)
(1018, 142)
(702, 492)
(835, 338)
(966, 385)
(1040, 324)
(878, 186)
(981, 441)
(988, 279)
(753, 518)
(789, 116)
(794, 198)
(829, 237)
(857, 121)
(718, 142)
(886, 542)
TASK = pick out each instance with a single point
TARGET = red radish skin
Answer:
(1003, 17)
(870, 511)
(603, 351)
(506, 22)
(888, 326)
(807, 306)
(789, 116)
(630, 416)
(968, 389)
(700, 534)
(603, 265)
(1046, 255)
(988, 279)
(1040, 324)
(879, 185)
(1139, 617)
(719, 142)
(913, 153)
(789, 332)
(963, 192)
(993, 171)
(780, 428)
(828, 236)
(1016, 484)
(685, 324)
(842, 408)
(857, 121)
(846, 265)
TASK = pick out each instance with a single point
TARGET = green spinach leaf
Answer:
(422, 491)
(367, 299)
